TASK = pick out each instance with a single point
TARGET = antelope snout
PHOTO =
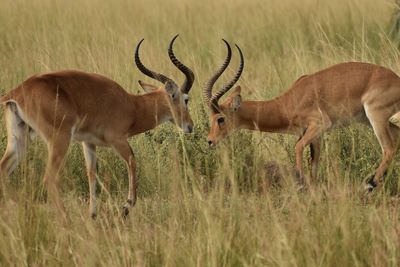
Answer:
(188, 128)
(211, 142)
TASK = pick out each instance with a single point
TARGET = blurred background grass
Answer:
(199, 206)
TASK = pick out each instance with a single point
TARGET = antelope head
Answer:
(177, 98)
(224, 116)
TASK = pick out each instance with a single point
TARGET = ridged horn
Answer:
(157, 76)
(223, 90)
(187, 84)
(207, 93)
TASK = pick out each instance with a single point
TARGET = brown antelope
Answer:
(331, 98)
(72, 105)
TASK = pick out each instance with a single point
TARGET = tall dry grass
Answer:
(199, 206)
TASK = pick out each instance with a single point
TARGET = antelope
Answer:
(70, 105)
(331, 98)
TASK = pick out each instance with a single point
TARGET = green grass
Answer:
(199, 206)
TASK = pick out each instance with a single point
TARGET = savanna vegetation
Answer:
(201, 206)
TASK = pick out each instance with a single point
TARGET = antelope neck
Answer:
(150, 110)
(266, 116)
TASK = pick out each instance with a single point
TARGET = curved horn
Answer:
(220, 93)
(208, 88)
(187, 84)
(157, 76)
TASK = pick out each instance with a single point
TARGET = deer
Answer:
(345, 93)
(70, 105)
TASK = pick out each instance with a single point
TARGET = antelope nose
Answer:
(210, 143)
(190, 128)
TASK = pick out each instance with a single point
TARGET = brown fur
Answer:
(90, 108)
(331, 98)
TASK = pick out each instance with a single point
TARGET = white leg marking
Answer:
(89, 151)
(16, 141)
(395, 119)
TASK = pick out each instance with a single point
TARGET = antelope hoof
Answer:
(371, 184)
(93, 216)
(125, 211)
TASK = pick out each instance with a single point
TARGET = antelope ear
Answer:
(147, 87)
(237, 90)
(171, 89)
(236, 99)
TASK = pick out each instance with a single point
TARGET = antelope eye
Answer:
(220, 120)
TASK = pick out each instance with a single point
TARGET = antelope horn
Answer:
(187, 84)
(157, 76)
(220, 93)
(208, 88)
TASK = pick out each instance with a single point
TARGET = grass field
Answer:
(199, 206)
